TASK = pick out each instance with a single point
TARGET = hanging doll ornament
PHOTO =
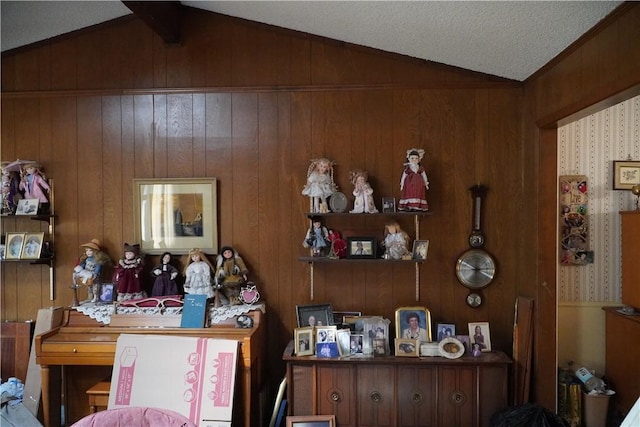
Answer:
(362, 192)
(414, 183)
(320, 184)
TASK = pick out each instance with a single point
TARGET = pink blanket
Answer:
(139, 417)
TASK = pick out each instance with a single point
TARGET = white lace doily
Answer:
(101, 312)
(219, 314)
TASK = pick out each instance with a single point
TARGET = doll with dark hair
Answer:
(126, 276)
(414, 183)
(231, 273)
(166, 275)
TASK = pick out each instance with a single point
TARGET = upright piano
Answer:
(80, 340)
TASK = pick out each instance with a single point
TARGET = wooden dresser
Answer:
(630, 230)
(399, 391)
(83, 341)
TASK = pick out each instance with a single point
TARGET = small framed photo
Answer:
(466, 342)
(420, 249)
(326, 334)
(344, 343)
(356, 345)
(304, 341)
(314, 315)
(407, 347)
(361, 247)
(626, 174)
(480, 335)
(311, 421)
(27, 207)
(445, 330)
(339, 316)
(327, 349)
(376, 333)
(32, 245)
(107, 292)
(14, 243)
(413, 323)
(388, 205)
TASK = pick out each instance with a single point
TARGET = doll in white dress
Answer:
(362, 192)
(396, 241)
(319, 184)
(198, 274)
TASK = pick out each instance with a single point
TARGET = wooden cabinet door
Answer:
(416, 394)
(336, 393)
(630, 254)
(376, 396)
(456, 403)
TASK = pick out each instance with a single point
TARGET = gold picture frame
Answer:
(175, 215)
(407, 347)
(403, 315)
(626, 174)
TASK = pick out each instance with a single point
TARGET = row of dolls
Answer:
(413, 185)
(28, 182)
(324, 242)
(200, 276)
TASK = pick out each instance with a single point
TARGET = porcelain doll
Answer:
(35, 186)
(396, 241)
(198, 274)
(317, 238)
(414, 183)
(231, 273)
(363, 193)
(126, 275)
(165, 277)
(338, 245)
(88, 272)
(10, 190)
(319, 184)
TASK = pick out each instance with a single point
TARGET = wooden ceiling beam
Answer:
(163, 17)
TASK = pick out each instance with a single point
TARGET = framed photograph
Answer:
(407, 347)
(176, 215)
(388, 205)
(326, 334)
(304, 341)
(107, 293)
(413, 323)
(14, 243)
(466, 342)
(356, 344)
(339, 316)
(376, 335)
(626, 174)
(311, 421)
(314, 315)
(344, 344)
(420, 249)
(445, 330)
(32, 245)
(480, 336)
(361, 247)
(327, 349)
(2, 251)
(27, 207)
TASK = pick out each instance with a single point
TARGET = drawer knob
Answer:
(416, 397)
(335, 396)
(375, 397)
(457, 397)
(75, 350)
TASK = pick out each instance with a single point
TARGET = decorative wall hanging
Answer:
(574, 229)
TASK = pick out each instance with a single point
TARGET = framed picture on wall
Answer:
(626, 174)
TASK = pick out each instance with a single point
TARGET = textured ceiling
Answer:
(509, 39)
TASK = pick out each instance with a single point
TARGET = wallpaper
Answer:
(588, 147)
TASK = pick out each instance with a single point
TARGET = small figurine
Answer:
(338, 245)
(198, 274)
(34, 184)
(363, 193)
(319, 184)
(126, 275)
(231, 273)
(414, 183)
(10, 190)
(165, 274)
(88, 271)
(317, 238)
(396, 241)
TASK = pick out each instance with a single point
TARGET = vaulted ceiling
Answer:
(510, 39)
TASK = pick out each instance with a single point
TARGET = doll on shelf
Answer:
(338, 245)
(126, 276)
(320, 184)
(363, 193)
(414, 183)
(198, 274)
(34, 185)
(317, 238)
(10, 190)
(396, 241)
(165, 277)
(231, 274)
(88, 272)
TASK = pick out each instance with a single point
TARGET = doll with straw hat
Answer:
(88, 271)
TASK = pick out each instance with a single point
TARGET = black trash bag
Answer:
(527, 415)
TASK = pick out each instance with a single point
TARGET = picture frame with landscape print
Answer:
(32, 245)
(175, 215)
(626, 174)
(314, 315)
(14, 243)
(363, 247)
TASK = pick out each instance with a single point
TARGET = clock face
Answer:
(475, 269)
(474, 300)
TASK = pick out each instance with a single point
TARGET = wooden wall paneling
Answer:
(605, 66)
(64, 65)
(180, 152)
(217, 55)
(244, 65)
(156, 155)
(16, 340)
(145, 125)
(112, 165)
(44, 67)
(272, 58)
(89, 56)
(128, 165)
(628, 32)
(199, 134)
(299, 60)
(179, 65)
(160, 63)
(26, 76)
(8, 74)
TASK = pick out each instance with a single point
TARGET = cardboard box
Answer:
(192, 376)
